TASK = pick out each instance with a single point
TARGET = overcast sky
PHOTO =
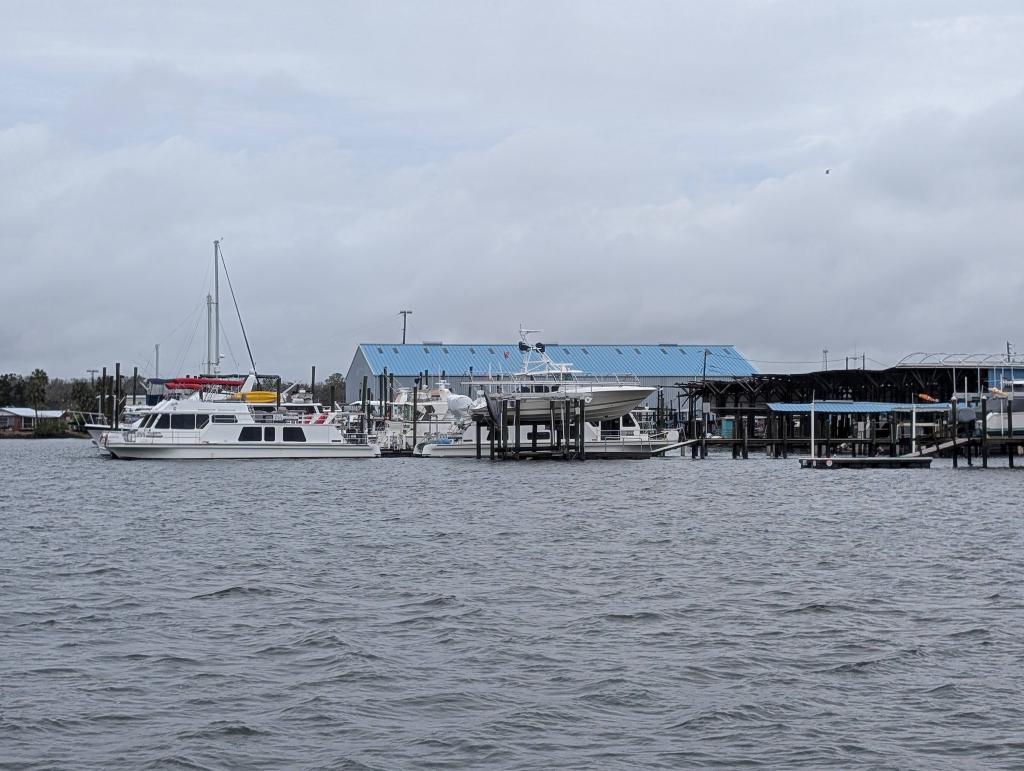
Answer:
(607, 172)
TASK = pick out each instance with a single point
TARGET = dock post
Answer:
(952, 432)
(786, 431)
(503, 430)
(103, 392)
(1011, 448)
(746, 440)
(415, 411)
(518, 413)
(490, 437)
(567, 427)
(478, 448)
(117, 396)
(580, 432)
(984, 433)
(551, 426)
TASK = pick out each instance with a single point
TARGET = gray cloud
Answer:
(608, 173)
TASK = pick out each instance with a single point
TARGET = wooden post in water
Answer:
(567, 427)
(312, 383)
(952, 431)
(117, 396)
(135, 384)
(580, 430)
(479, 450)
(984, 433)
(518, 414)
(490, 437)
(503, 437)
(746, 440)
(415, 417)
(103, 393)
(1011, 448)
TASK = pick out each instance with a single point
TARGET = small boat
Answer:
(196, 428)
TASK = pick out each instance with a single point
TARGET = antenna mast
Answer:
(405, 316)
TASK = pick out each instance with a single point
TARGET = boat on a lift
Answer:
(542, 386)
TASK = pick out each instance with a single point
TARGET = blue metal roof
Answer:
(845, 407)
(601, 359)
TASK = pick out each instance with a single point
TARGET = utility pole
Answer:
(824, 359)
(92, 377)
(405, 318)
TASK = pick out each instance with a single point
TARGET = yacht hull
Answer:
(602, 405)
(141, 451)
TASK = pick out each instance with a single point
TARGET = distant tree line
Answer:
(39, 392)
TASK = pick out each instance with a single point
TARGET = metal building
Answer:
(662, 365)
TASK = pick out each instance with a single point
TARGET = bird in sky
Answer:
(827, 170)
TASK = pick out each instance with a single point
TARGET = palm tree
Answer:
(35, 392)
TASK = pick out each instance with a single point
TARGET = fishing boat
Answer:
(542, 386)
(197, 428)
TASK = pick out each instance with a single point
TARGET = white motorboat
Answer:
(195, 428)
(1001, 402)
(633, 435)
(542, 386)
(420, 413)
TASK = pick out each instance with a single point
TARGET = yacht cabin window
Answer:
(293, 434)
(164, 421)
(268, 434)
(183, 422)
(250, 434)
(224, 419)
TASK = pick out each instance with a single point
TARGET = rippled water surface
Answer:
(413, 613)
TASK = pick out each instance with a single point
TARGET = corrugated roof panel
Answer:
(600, 359)
(843, 407)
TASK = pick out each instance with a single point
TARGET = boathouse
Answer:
(663, 365)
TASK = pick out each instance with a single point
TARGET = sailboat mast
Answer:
(216, 301)
(209, 334)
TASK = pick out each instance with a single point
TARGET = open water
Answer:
(460, 614)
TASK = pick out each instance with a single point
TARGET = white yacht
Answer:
(191, 428)
(542, 386)
(420, 413)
